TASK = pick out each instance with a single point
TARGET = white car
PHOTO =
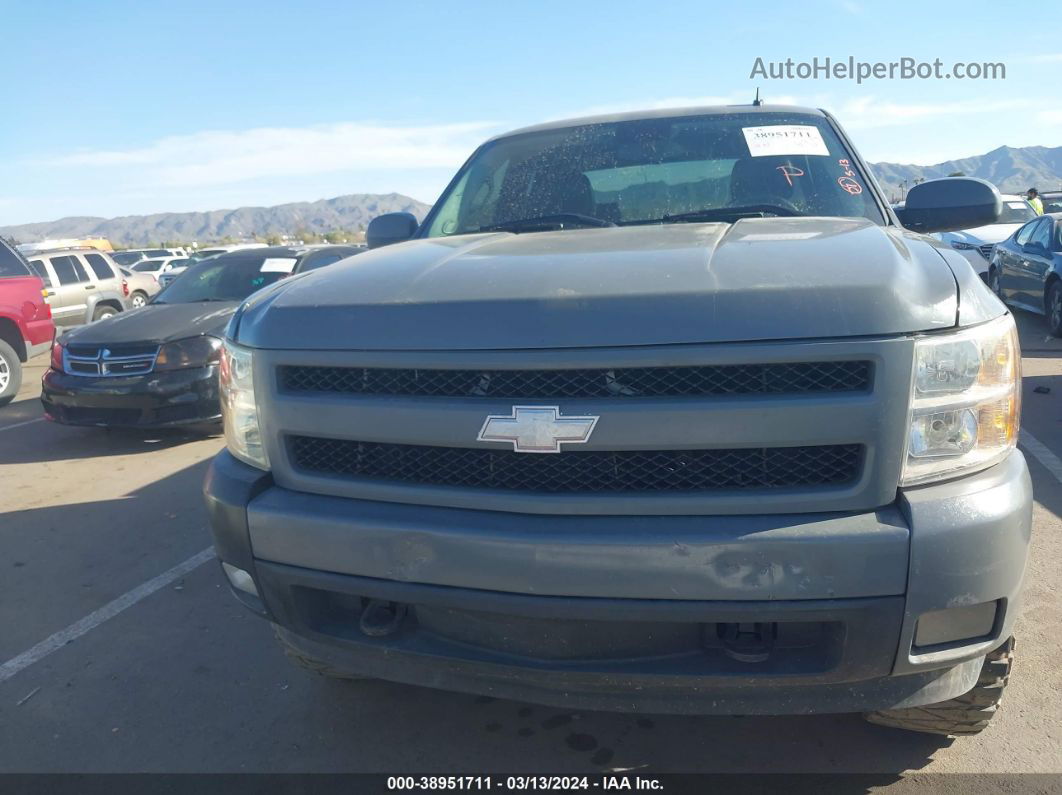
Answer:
(976, 244)
(159, 266)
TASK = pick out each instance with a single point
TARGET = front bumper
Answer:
(630, 613)
(170, 398)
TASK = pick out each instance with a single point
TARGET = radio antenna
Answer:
(757, 102)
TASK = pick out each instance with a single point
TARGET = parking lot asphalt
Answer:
(176, 677)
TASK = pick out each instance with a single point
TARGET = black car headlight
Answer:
(192, 352)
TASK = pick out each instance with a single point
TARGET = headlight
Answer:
(961, 246)
(965, 402)
(238, 410)
(192, 352)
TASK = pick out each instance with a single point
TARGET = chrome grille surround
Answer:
(111, 361)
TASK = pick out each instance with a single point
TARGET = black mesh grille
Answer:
(583, 471)
(789, 378)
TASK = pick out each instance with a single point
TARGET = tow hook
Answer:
(380, 618)
(751, 643)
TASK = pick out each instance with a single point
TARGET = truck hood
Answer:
(757, 279)
(156, 323)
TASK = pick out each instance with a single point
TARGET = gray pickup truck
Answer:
(662, 412)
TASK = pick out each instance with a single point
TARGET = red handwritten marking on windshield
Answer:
(789, 172)
(847, 182)
(850, 185)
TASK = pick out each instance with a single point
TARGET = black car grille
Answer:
(787, 378)
(986, 251)
(112, 360)
(582, 471)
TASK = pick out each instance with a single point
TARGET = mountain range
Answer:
(351, 212)
(1011, 169)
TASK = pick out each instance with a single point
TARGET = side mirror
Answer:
(390, 228)
(944, 205)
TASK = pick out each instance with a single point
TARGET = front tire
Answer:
(993, 282)
(103, 312)
(10, 373)
(1054, 309)
(318, 666)
(969, 713)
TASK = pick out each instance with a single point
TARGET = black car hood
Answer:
(156, 323)
(757, 279)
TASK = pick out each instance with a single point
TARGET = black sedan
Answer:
(1026, 269)
(158, 366)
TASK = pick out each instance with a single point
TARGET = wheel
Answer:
(1054, 309)
(965, 714)
(993, 282)
(138, 299)
(303, 660)
(103, 312)
(10, 373)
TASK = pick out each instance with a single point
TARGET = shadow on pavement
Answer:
(1033, 333)
(20, 411)
(62, 561)
(48, 441)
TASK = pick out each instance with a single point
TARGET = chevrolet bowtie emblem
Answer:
(537, 429)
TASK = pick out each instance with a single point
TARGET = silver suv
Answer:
(83, 285)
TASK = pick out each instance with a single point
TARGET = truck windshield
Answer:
(713, 167)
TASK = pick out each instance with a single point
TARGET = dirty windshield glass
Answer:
(225, 280)
(652, 170)
(1016, 212)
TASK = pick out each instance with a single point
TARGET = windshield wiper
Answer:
(732, 213)
(543, 222)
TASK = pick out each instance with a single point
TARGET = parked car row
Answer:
(976, 244)
(158, 366)
(133, 255)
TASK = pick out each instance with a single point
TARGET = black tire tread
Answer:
(967, 714)
(1056, 286)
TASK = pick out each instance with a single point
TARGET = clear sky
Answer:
(118, 107)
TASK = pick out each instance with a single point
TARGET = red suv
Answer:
(26, 327)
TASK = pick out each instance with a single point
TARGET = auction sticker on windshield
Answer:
(784, 139)
(278, 265)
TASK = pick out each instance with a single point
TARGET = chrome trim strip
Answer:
(103, 360)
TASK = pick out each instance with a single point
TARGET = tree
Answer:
(336, 236)
(957, 174)
(273, 240)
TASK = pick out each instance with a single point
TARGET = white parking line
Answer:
(1040, 452)
(97, 617)
(20, 424)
